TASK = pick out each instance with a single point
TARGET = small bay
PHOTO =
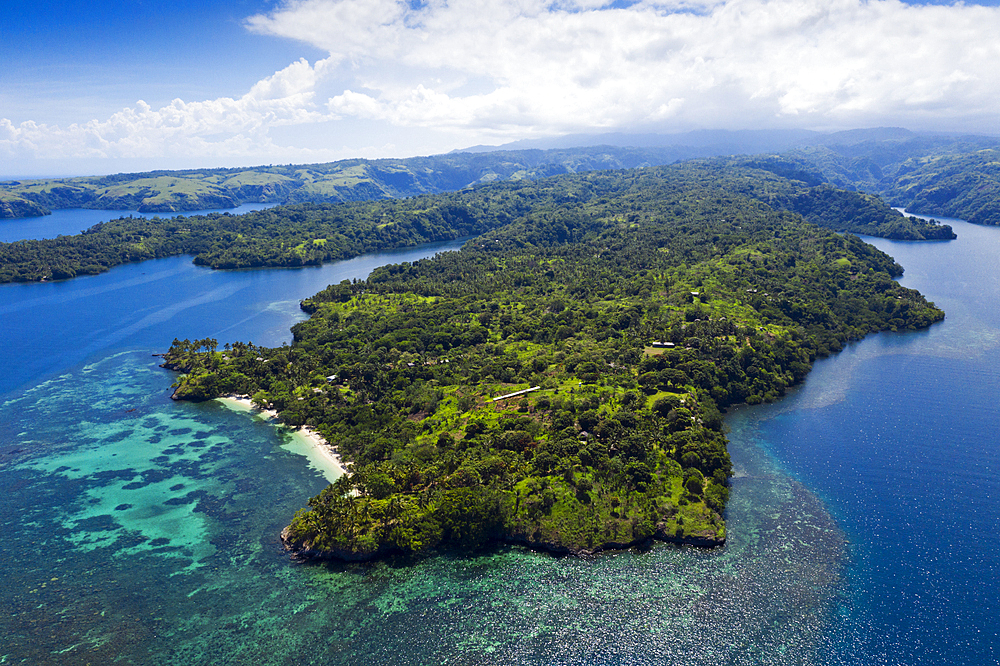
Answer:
(146, 531)
(49, 327)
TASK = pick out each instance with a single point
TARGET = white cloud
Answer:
(487, 70)
(221, 127)
(570, 66)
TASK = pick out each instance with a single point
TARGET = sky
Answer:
(123, 85)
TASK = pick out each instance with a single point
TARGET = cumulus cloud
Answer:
(215, 128)
(504, 69)
(578, 64)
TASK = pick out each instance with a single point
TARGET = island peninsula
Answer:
(640, 304)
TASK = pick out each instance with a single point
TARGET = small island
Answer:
(560, 382)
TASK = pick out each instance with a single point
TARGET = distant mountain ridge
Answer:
(711, 143)
(342, 181)
(935, 174)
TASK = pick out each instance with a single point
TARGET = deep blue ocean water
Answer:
(898, 435)
(862, 524)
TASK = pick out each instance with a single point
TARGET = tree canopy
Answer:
(312, 233)
(625, 311)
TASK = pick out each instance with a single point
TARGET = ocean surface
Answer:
(862, 523)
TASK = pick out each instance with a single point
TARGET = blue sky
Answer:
(110, 54)
(101, 87)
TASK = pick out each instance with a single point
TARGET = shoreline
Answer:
(305, 441)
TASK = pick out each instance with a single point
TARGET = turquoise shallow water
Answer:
(151, 535)
(139, 530)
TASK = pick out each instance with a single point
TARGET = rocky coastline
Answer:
(303, 551)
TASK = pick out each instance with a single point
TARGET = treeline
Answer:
(631, 308)
(796, 186)
(303, 235)
(309, 234)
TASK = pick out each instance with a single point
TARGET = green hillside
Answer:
(932, 175)
(312, 233)
(622, 310)
(334, 182)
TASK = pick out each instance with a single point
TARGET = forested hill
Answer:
(333, 182)
(309, 234)
(617, 312)
(952, 176)
(956, 177)
(963, 185)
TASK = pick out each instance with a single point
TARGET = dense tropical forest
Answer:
(560, 381)
(309, 234)
(957, 177)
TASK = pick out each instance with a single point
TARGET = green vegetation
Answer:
(13, 206)
(789, 185)
(302, 235)
(309, 234)
(344, 181)
(965, 186)
(931, 175)
(640, 303)
(955, 177)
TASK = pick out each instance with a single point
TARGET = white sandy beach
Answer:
(305, 441)
(242, 403)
